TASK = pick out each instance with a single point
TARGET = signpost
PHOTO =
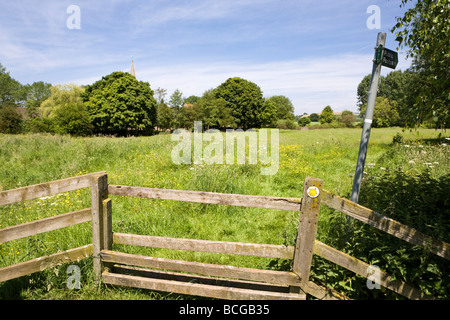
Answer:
(390, 58)
(383, 57)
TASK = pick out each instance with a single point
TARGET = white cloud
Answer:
(310, 83)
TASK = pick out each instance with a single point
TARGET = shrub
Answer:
(304, 121)
(10, 120)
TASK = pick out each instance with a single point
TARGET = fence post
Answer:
(99, 192)
(307, 228)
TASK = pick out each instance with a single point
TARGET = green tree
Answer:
(245, 99)
(314, 117)
(327, 115)
(120, 104)
(165, 116)
(214, 112)
(424, 29)
(176, 102)
(385, 113)
(396, 85)
(304, 121)
(11, 91)
(36, 93)
(284, 107)
(10, 119)
(348, 118)
(65, 111)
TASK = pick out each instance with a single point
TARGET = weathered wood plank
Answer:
(239, 248)
(269, 276)
(196, 289)
(42, 263)
(386, 224)
(45, 225)
(195, 278)
(45, 189)
(307, 228)
(99, 193)
(279, 203)
(361, 268)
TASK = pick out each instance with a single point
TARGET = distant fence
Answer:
(200, 279)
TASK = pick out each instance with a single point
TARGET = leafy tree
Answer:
(65, 110)
(191, 99)
(36, 93)
(214, 112)
(424, 29)
(160, 95)
(284, 107)
(11, 91)
(245, 99)
(269, 114)
(327, 115)
(176, 102)
(347, 118)
(396, 85)
(10, 119)
(385, 113)
(314, 117)
(120, 104)
(165, 116)
(304, 121)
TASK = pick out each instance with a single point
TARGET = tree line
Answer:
(118, 104)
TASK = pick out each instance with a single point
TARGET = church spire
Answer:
(132, 72)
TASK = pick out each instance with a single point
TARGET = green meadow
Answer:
(329, 154)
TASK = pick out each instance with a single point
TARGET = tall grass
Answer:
(146, 161)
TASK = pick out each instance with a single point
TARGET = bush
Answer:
(304, 121)
(10, 120)
(286, 124)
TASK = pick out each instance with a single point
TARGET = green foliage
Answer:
(347, 118)
(165, 117)
(64, 111)
(304, 121)
(424, 30)
(36, 93)
(283, 106)
(395, 86)
(10, 119)
(214, 112)
(11, 91)
(119, 104)
(385, 113)
(245, 100)
(314, 117)
(286, 124)
(327, 115)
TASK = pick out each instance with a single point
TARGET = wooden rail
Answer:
(301, 254)
(47, 224)
(196, 278)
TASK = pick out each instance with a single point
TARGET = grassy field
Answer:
(145, 161)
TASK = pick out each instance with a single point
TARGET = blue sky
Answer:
(314, 52)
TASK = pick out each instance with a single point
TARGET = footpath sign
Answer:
(383, 57)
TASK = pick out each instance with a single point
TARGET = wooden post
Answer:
(107, 231)
(307, 228)
(99, 192)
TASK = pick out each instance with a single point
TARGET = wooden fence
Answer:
(45, 225)
(210, 280)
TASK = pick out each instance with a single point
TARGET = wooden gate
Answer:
(230, 282)
(201, 279)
